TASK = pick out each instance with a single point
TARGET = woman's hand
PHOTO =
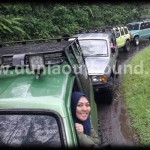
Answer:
(79, 127)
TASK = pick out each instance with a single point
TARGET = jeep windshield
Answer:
(30, 130)
(94, 47)
(133, 26)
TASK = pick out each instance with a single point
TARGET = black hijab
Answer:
(74, 101)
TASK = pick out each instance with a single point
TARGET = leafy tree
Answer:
(10, 28)
(46, 20)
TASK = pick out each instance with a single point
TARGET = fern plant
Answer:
(10, 28)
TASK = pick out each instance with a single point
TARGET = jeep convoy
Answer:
(37, 79)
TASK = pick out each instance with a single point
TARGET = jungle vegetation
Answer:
(33, 20)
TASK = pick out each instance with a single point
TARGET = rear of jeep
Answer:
(36, 83)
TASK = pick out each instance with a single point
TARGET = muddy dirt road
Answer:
(114, 120)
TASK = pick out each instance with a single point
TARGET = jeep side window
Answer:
(75, 86)
(142, 26)
(81, 83)
(136, 27)
(122, 32)
(146, 25)
(117, 33)
(77, 53)
(76, 49)
(126, 30)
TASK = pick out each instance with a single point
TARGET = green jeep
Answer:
(37, 79)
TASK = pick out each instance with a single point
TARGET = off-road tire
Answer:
(126, 47)
(136, 41)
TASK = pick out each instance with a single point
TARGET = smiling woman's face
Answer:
(83, 109)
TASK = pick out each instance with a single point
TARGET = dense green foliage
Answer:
(45, 20)
(136, 89)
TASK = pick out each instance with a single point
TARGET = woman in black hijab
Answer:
(80, 107)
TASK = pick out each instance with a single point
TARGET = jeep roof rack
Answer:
(140, 20)
(53, 48)
(95, 29)
(120, 25)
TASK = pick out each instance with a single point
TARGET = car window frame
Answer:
(142, 27)
(126, 30)
(97, 40)
(46, 112)
(146, 25)
(122, 31)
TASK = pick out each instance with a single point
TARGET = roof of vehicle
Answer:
(10, 48)
(139, 21)
(103, 36)
(119, 26)
(23, 90)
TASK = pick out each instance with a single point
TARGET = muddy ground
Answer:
(114, 120)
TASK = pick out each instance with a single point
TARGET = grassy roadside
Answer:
(136, 93)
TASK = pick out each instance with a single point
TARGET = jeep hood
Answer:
(96, 65)
(21, 91)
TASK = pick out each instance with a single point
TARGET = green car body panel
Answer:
(52, 91)
(24, 91)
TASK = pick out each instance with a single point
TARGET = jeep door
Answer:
(147, 30)
(126, 35)
(120, 38)
(143, 31)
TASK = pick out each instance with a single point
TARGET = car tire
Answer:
(136, 41)
(127, 46)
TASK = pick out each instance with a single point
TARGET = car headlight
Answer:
(99, 78)
(36, 63)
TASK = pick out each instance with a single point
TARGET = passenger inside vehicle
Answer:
(80, 108)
